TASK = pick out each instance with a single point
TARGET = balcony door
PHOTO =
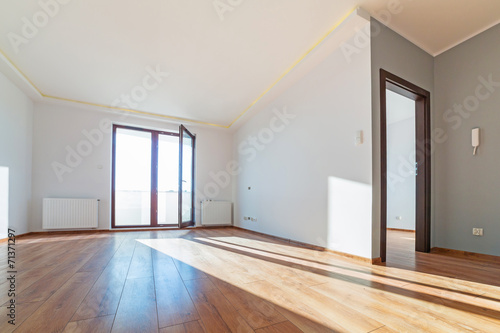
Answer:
(152, 178)
(186, 177)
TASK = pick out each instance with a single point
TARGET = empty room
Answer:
(250, 166)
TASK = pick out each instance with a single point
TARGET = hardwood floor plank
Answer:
(188, 272)
(173, 301)
(39, 271)
(126, 248)
(409, 308)
(142, 262)
(284, 327)
(174, 329)
(328, 313)
(384, 329)
(304, 323)
(194, 327)
(216, 312)
(25, 280)
(104, 297)
(22, 312)
(56, 312)
(100, 260)
(255, 310)
(137, 309)
(163, 265)
(191, 327)
(47, 285)
(93, 325)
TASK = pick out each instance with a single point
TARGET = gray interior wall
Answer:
(397, 55)
(467, 188)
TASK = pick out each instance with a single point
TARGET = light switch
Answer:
(359, 138)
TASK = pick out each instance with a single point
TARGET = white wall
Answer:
(309, 182)
(16, 117)
(58, 127)
(4, 201)
(401, 181)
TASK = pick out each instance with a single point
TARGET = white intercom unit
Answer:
(475, 139)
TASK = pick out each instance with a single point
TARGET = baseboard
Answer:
(377, 261)
(5, 240)
(355, 257)
(92, 231)
(286, 240)
(221, 226)
(465, 254)
(316, 247)
(405, 230)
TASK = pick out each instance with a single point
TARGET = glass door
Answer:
(132, 177)
(186, 177)
(153, 178)
(168, 180)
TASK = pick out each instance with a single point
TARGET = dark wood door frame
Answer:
(422, 100)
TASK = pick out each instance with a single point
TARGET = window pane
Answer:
(132, 178)
(168, 179)
(187, 172)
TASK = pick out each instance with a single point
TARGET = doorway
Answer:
(152, 178)
(405, 163)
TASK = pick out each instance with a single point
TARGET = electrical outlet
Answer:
(253, 219)
(477, 231)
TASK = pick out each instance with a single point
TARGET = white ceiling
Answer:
(95, 51)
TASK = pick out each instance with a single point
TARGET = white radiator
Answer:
(216, 212)
(70, 213)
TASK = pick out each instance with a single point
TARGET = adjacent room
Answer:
(250, 166)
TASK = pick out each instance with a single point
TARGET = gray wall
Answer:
(467, 188)
(397, 55)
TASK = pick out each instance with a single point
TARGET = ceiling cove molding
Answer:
(8, 67)
(357, 11)
(138, 112)
(22, 81)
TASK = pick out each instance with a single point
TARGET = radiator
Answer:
(70, 213)
(216, 212)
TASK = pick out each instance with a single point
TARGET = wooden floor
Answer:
(228, 280)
